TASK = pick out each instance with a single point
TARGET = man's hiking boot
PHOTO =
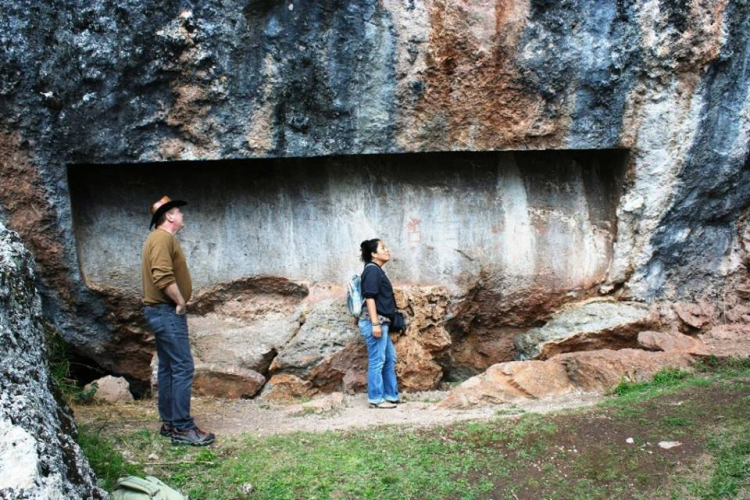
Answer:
(192, 437)
(166, 430)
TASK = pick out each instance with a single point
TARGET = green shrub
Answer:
(670, 376)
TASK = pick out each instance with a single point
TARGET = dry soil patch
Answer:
(229, 417)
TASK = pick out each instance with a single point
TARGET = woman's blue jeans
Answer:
(381, 364)
(175, 376)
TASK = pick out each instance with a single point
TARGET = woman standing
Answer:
(380, 306)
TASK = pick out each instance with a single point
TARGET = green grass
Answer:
(668, 377)
(733, 465)
(531, 456)
(105, 459)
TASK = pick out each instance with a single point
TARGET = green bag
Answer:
(137, 488)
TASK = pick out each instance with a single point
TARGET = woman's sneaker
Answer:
(192, 437)
(385, 405)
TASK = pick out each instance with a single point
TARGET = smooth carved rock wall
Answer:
(544, 219)
(103, 83)
(39, 457)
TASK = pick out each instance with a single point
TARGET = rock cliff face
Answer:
(522, 154)
(39, 458)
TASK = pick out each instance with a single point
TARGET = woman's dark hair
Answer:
(368, 247)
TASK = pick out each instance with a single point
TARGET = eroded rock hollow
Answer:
(516, 156)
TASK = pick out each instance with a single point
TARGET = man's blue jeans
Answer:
(175, 377)
(381, 364)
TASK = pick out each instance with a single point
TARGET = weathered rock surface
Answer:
(728, 340)
(671, 341)
(332, 355)
(421, 349)
(346, 366)
(476, 352)
(245, 323)
(111, 389)
(131, 338)
(219, 340)
(508, 382)
(39, 457)
(286, 387)
(586, 326)
(598, 371)
(694, 316)
(603, 369)
(327, 329)
(228, 382)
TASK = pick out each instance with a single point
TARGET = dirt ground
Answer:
(689, 442)
(231, 417)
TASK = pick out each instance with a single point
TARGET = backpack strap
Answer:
(363, 273)
(369, 264)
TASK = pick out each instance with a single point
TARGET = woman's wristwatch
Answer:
(376, 324)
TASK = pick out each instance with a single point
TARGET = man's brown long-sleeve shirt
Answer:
(163, 264)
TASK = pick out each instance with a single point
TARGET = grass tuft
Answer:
(666, 377)
(106, 461)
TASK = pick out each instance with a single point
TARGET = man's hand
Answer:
(377, 331)
(174, 293)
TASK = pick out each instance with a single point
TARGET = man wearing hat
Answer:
(166, 289)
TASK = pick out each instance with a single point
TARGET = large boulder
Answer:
(236, 330)
(227, 341)
(328, 350)
(671, 341)
(110, 389)
(286, 387)
(39, 456)
(327, 329)
(602, 370)
(226, 381)
(595, 371)
(244, 323)
(510, 381)
(586, 326)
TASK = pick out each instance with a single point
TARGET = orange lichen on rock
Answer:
(26, 203)
(474, 96)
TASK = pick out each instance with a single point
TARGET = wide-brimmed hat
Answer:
(163, 205)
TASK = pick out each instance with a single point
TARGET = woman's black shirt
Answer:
(376, 285)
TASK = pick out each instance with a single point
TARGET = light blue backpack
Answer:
(354, 299)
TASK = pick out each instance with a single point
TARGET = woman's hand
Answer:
(377, 331)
